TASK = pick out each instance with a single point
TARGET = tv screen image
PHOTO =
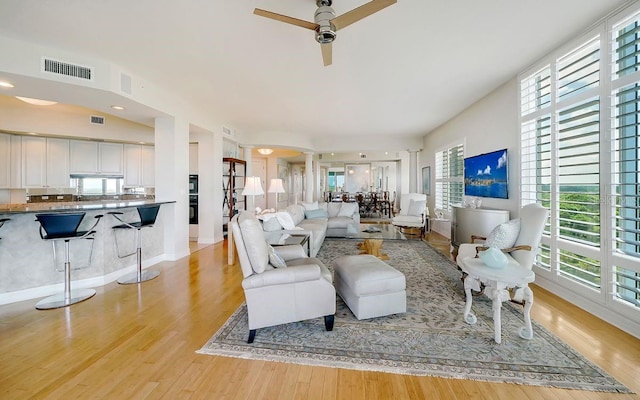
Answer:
(485, 175)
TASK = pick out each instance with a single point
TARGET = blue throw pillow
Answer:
(314, 214)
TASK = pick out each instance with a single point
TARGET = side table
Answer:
(284, 239)
(497, 282)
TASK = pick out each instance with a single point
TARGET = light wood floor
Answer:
(134, 342)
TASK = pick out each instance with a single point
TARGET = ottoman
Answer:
(370, 287)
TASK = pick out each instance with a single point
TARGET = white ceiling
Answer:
(403, 71)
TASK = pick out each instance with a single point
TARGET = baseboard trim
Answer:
(97, 281)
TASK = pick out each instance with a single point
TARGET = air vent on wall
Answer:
(66, 69)
(363, 156)
(97, 120)
(227, 131)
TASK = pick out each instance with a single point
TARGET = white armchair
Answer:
(520, 248)
(413, 212)
(301, 290)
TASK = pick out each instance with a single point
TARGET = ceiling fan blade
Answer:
(327, 56)
(283, 18)
(355, 15)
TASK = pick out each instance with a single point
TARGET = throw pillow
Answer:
(254, 242)
(504, 235)
(315, 214)
(310, 206)
(285, 219)
(348, 209)
(276, 259)
(493, 258)
(416, 207)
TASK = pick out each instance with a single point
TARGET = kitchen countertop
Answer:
(24, 208)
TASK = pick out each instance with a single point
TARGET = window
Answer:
(449, 177)
(625, 171)
(98, 186)
(579, 146)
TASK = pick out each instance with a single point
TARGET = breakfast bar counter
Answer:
(27, 262)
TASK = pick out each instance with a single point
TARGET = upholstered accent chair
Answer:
(518, 239)
(281, 284)
(413, 212)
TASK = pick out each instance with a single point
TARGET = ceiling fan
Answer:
(326, 23)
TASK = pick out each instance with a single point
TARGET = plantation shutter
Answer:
(449, 177)
(625, 185)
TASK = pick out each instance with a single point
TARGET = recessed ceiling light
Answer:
(5, 84)
(36, 102)
(117, 108)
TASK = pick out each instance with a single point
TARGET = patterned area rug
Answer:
(431, 338)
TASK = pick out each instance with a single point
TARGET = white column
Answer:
(172, 183)
(413, 170)
(246, 152)
(209, 187)
(308, 177)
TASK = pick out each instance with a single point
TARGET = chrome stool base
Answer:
(61, 300)
(132, 278)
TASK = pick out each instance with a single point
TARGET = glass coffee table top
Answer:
(376, 231)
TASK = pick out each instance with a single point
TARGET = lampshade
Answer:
(275, 186)
(252, 186)
(265, 152)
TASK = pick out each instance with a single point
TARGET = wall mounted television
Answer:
(485, 175)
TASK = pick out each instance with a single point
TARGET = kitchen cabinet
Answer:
(139, 165)
(474, 221)
(45, 162)
(233, 174)
(96, 158)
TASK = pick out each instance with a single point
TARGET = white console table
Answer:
(474, 221)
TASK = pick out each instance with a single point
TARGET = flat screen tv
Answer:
(485, 175)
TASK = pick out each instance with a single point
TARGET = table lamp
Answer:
(253, 188)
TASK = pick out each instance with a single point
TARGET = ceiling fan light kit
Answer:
(326, 23)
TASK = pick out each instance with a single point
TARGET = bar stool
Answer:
(64, 226)
(148, 216)
(3, 220)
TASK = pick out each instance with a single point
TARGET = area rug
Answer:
(431, 338)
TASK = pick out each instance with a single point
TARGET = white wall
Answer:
(489, 124)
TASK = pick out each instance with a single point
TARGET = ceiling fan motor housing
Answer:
(326, 32)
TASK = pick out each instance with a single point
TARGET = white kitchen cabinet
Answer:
(139, 166)
(474, 221)
(111, 158)
(45, 162)
(148, 166)
(5, 161)
(96, 158)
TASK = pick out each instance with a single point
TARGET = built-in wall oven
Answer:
(193, 209)
(193, 199)
(193, 184)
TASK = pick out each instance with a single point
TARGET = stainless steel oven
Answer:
(193, 209)
(193, 184)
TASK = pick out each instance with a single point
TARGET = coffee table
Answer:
(376, 231)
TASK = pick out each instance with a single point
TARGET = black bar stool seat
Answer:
(64, 226)
(148, 215)
(3, 220)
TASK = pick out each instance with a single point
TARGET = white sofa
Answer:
(316, 220)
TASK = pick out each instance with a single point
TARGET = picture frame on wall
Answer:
(426, 180)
